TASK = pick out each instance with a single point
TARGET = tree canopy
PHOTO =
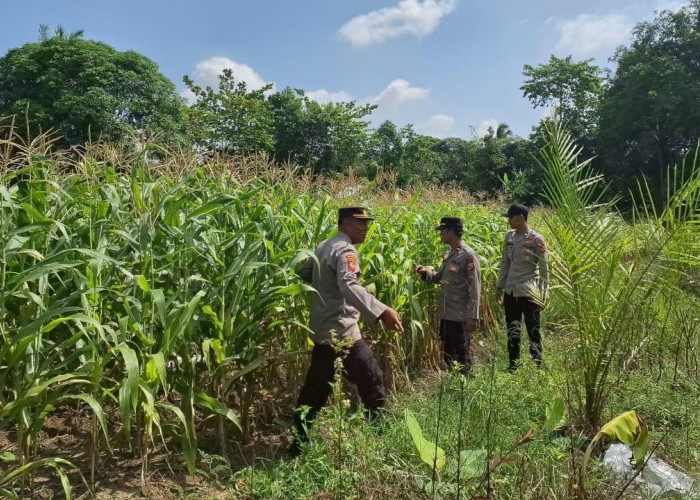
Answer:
(85, 89)
(638, 120)
(650, 115)
(573, 89)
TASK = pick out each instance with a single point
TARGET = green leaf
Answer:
(128, 392)
(10, 495)
(189, 444)
(159, 300)
(159, 362)
(624, 428)
(96, 410)
(206, 401)
(35, 215)
(641, 446)
(472, 463)
(431, 454)
(555, 414)
(7, 478)
(294, 289)
(211, 206)
(142, 282)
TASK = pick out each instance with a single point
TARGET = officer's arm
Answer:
(433, 276)
(505, 266)
(349, 286)
(305, 271)
(473, 285)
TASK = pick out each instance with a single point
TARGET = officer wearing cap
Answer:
(522, 283)
(460, 292)
(335, 311)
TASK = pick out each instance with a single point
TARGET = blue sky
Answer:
(450, 67)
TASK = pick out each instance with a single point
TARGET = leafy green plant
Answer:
(608, 283)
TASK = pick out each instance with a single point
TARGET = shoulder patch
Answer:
(542, 246)
(352, 262)
(470, 261)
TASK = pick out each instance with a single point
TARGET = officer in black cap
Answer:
(522, 283)
(460, 277)
(335, 311)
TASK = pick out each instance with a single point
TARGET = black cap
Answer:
(516, 209)
(353, 213)
(451, 223)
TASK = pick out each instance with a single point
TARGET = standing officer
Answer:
(524, 253)
(335, 311)
(460, 277)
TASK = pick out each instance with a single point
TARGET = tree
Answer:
(420, 161)
(503, 131)
(335, 135)
(59, 32)
(85, 89)
(650, 115)
(572, 88)
(288, 111)
(232, 118)
(456, 161)
(386, 147)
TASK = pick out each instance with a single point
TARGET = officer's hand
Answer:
(391, 320)
(472, 325)
(499, 297)
(421, 270)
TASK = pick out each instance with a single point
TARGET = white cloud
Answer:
(398, 92)
(408, 17)
(439, 125)
(587, 34)
(483, 127)
(672, 5)
(206, 74)
(189, 96)
(323, 96)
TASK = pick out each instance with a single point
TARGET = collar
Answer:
(344, 236)
(462, 246)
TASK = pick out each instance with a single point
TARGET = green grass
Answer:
(381, 461)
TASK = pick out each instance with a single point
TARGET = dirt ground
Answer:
(118, 475)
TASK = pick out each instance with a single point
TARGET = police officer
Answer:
(335, 311)
(460, 277)
(521, 288)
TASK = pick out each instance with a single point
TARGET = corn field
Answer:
(164, 305)
(156, 294)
